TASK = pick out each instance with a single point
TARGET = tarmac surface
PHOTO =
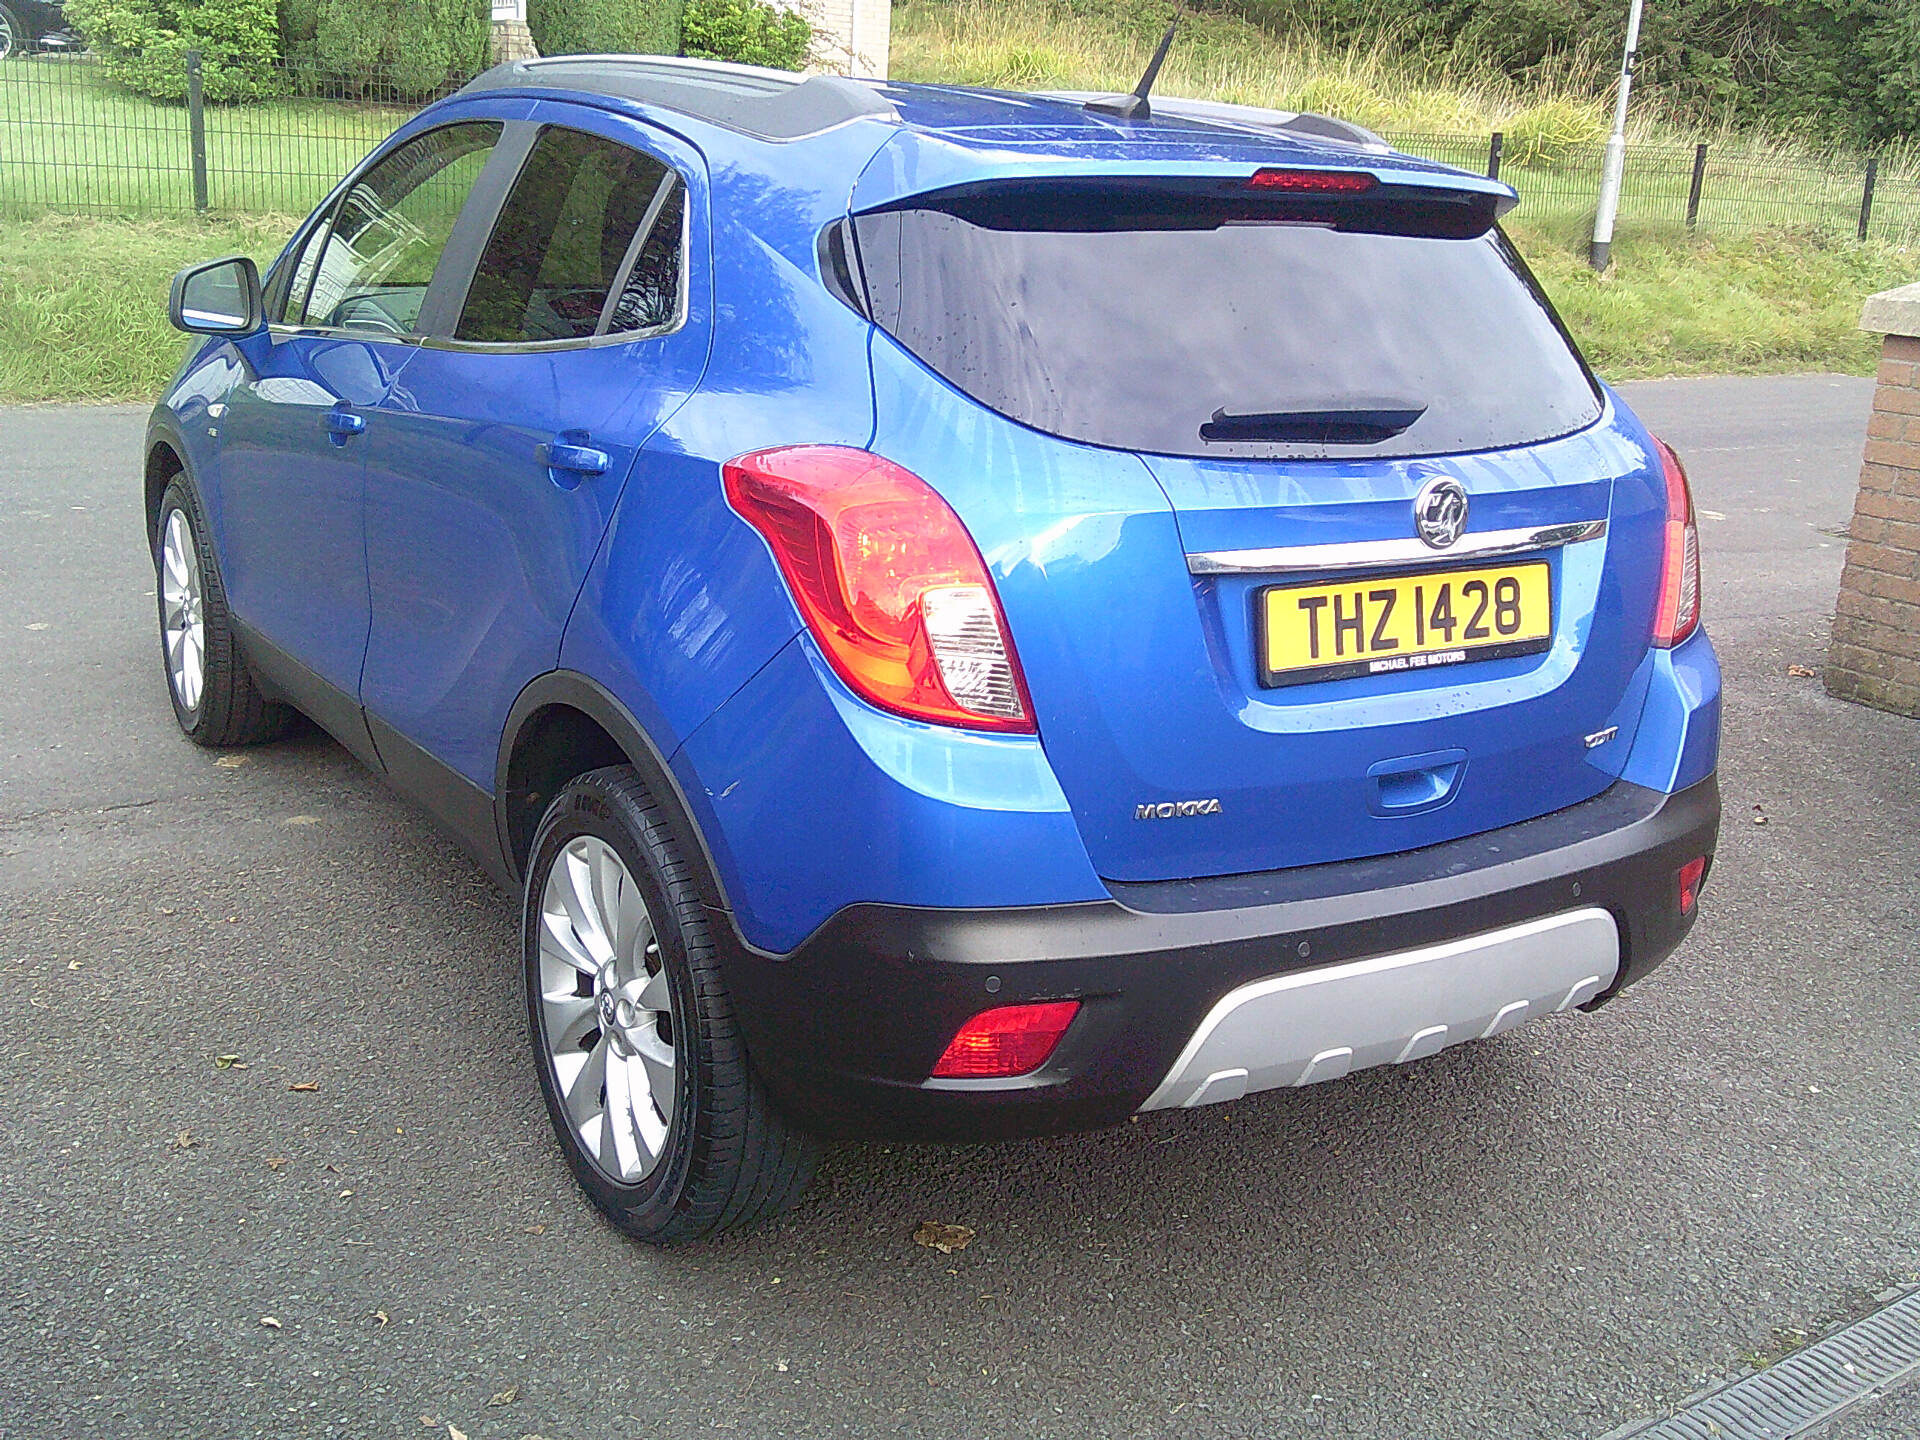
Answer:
(1552, 1234)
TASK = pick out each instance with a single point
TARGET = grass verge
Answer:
(82, 300)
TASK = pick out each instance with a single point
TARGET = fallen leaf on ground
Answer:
(38, 625)
(428, 1420)
(274, 1162)
(73, 964)
(270, 1322)
(184, 1140)
(381, 1316)
(225, 1062)
(1801, 672)
(536, 1229)
(454, 1433)
(305, 1085)
(937, 1235)
(504, 1397)
(231, 762)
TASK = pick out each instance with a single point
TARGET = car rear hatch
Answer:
(1194, 420)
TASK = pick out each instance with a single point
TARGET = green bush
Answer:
(605, 27)
(144, 44)
(390, 49)
(753, 32)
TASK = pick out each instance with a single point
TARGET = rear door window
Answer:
(1159, 334)
(588, 243)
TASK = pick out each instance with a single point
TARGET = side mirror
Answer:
(221, 297)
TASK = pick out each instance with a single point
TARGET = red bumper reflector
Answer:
(1013, 1040)
(1690, 877)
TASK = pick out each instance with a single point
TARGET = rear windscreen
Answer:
(1228, 339)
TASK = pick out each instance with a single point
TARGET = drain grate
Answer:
(1808, 1388)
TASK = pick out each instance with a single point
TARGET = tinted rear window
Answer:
(1262, 339)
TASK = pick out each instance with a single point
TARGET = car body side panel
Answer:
(684, 603)
(476, 549)
(811, 800)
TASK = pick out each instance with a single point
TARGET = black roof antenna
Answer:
(1134, 106)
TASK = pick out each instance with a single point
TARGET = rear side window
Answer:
(588, 243)
(1228, 339)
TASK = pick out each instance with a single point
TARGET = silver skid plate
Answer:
(1317, 1025)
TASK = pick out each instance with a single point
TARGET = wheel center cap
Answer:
(607, 1007)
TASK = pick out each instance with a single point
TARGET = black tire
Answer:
(13, 35)
(729, 1158)
(229, 708)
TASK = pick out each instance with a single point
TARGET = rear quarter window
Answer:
(1231, 339)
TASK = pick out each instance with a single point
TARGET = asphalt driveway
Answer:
(1546, 1235)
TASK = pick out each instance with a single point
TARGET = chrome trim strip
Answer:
(1374, 554)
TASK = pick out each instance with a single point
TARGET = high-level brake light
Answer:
(889, 582)
(1313, 182)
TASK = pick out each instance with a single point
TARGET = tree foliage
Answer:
(144, 44)
(388, 48)
(605, 27)
(1841, 69)
(751, 32)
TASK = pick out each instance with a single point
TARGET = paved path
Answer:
(1548, 1235)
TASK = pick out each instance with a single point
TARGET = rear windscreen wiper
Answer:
(1367, 423)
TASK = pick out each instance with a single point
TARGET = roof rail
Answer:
(1291, 124)
(767, 104)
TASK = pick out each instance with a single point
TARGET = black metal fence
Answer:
(75, 138)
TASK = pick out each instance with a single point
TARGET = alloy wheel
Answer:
(183, 602)
(606, 1011)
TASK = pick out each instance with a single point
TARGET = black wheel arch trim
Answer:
(163, 428)
(578, 691)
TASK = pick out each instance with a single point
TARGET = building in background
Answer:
(853, 34)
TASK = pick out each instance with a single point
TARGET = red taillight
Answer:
(1691, 875)
(999, 1044)
(1679, 613)
(1313, 182)
(888, 581)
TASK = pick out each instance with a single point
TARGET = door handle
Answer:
(571, 452)
(343, 424)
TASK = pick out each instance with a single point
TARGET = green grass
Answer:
(1779, 300)
(83, 299)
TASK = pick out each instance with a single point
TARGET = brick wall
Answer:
(1875, 657)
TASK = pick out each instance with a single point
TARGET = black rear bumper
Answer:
(845, 1030)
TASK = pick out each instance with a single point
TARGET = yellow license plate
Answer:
(1337, 630)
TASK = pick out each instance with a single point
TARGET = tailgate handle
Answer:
(1414, 784)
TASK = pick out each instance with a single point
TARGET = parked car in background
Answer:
(960, 614)
(29, 25)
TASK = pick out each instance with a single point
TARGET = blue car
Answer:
(962, 614)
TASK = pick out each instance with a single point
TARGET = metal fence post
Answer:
(1493, 155)
(1866, 195)
(197, 130)
(1699, 179)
